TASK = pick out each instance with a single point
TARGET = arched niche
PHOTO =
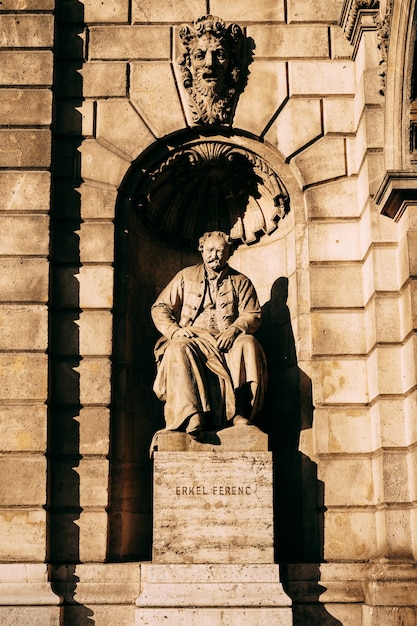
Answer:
(254, 185)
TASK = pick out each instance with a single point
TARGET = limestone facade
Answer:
(90, 100)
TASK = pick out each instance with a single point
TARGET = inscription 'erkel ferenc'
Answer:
(216, 490)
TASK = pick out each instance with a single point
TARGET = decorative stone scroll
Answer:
(209, 186)
(213, 60)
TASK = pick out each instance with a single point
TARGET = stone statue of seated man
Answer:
(210, 369)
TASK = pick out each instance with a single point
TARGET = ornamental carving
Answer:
(212, 186)
(352, 13)
(213, 63)
(383, 25)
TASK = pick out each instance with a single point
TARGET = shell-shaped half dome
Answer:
(212, 186)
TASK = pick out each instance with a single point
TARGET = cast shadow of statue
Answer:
(298, 494)
(63, 453)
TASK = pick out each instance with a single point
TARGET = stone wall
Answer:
(313, 109)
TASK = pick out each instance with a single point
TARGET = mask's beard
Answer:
(208, 89)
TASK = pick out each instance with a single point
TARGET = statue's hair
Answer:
(219, 234)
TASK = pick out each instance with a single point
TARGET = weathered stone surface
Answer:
(320, 11)
(197, 494)
(330, 336)
(109, 11)
(97, 201)
(342, 431)
(263, 10)
(23, 107)
(95, 333)
(23, 327)
(324, 160)
(335, 241)
(340, 198)
(130, 135)
(329, 286)
(26, 31)
(24, 280)
(96, 242)
(213, 617)
(355, 475)
(338, 115)
(388, 615)
(25, 191)
(23, 482)
(94, 482)
(257, 105)
(23, 533)
(28, 5)
(311, 78)
(237, 438)
(395, 368)
(151, 101)
(287, 134)
(75, 118)
(24, 234)
(25, 148)
(280, 42)
(212, 594)
(96, 287)
(350, 532)
(34, 615)
(94, 380)
(127, 42)
(104, 614)
(341, 381)
(169, 11)
(93, 535)
(23, 427)
(101, 164)
(23, 376)
(94, 430)
(100, 79)
(26, 67)
(340, 46)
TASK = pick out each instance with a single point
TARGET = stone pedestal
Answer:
(213, 543)
(212, 595)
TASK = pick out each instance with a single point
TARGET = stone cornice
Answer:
(397, 191)
(356, 17)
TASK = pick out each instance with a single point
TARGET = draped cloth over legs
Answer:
(184, 379)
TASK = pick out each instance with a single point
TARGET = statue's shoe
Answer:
(197, 435)
(195, 427)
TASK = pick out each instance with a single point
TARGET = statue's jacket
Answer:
(180, 305)
(181, 301)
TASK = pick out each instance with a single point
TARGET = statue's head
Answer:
(215, 248)
(212, 60)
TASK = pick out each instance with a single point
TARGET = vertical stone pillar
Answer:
(213, 543)
(26, 70)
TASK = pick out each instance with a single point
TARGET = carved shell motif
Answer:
(213, 186)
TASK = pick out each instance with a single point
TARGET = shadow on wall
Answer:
(298, 494)
(63, 502)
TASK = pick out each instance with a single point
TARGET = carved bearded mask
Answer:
(209, 62)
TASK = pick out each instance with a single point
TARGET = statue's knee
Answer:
(179, 343)
(245, 340)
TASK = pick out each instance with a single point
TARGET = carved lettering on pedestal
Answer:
(213, 490)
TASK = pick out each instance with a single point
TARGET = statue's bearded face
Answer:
(209, 64)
